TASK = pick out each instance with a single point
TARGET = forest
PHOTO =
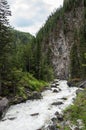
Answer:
(23, 62)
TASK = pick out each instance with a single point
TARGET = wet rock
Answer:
(82, 85)
(55, 91)
(17, 100)
(12, 118)
(4, 104)
(35, 95)
(54, 119)
(57, 103)
(64, 98)
(34, 114)
(70, 84)
(53, 86)
(3, 119)
(59, 116)
(57, 84)
(53, 127)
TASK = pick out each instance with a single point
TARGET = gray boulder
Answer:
(55, 91)
(57, 103)
(4, 104)
(82, 85)
(35, 95)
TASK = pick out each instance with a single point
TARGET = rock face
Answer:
(61, 40)
(4, 104)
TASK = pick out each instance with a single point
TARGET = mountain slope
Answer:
(21, 37)
(64, 35)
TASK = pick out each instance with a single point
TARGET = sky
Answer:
(30, 15)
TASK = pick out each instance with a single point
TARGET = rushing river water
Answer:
(32, 115)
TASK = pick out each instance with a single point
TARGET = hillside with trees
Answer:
(15, 57)
(56, 51)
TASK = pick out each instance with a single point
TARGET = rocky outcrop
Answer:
(82, 85)
(61, 39)
(4, 104)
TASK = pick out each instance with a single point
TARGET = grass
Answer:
(78, 110)
(29, 82)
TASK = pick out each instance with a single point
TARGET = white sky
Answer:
(30, 15)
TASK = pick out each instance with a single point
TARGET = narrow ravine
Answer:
(34, 115)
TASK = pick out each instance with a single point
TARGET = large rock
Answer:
(35, 95)
(57, 103)
(4, 104)
(82, 85)
(53, 85)
(70, 83)
(59, 116)
(55, 91)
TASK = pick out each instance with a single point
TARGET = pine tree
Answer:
(4, 38)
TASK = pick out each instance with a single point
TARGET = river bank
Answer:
(38, 114)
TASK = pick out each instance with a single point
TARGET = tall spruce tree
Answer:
(4, 38)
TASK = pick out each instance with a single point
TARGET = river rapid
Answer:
(35, 114)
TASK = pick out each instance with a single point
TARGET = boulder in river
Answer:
(4, 104)
(34, 114)
(70, 84)
(55, 91)
(59, 116)
(35, 95)
(82, 85)
(53, 85)
(57, 103)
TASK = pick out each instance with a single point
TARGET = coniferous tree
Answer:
(4, 38)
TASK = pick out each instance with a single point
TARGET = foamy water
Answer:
(32, 115)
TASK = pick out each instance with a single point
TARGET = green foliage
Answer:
(19, 82)
(77, 111)
(70, 4)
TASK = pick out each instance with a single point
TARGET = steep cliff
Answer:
(60, 33)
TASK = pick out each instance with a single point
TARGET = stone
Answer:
(64, 98)
(56, 113)
(59, 116)
(70, 84)
(55, 91)
(12, 118)
(57, 84)
(57, 103)
(53, 86)
(53, 127)
(34, 114)
(35, 95)
(82, 85)
(4, 104)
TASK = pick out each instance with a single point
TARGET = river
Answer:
(34, 114)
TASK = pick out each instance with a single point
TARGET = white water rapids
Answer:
(19, 117)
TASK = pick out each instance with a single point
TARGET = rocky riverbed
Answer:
(40, 114)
